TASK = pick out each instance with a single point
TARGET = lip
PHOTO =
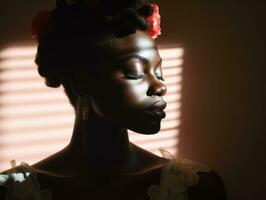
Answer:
(156, 110)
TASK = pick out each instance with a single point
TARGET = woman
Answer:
(104, 54)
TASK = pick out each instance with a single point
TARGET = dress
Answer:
(176, 176)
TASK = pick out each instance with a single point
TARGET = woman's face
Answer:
(130, 90)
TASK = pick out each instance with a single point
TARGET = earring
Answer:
(85, 107)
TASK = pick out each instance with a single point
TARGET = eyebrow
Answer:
(142, 59)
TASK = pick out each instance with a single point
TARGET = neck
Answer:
(99, 143)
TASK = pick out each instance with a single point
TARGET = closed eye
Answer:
(161, 78)
(135, 77)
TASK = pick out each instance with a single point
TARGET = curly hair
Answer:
(79, 30)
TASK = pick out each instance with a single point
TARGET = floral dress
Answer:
(177, 175)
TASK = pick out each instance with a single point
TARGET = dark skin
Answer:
(100, 162)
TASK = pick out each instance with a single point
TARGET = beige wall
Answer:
(223, 103)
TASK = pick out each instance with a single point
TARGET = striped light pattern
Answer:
(37, 121)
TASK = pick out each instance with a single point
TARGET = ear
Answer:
(81, 83)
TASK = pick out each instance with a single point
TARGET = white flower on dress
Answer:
(23, 185)
(176, 177)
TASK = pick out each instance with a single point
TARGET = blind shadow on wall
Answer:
(37, 121)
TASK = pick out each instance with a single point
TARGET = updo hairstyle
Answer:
(76, 30)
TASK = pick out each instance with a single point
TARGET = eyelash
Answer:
(136, 77)
(161, 78)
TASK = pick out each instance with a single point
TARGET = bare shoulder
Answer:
(209, 187)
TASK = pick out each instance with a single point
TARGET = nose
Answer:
(156, 87)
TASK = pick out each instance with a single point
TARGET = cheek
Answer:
(120, 99)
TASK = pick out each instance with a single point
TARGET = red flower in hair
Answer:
(155, 22)
(41, 24)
